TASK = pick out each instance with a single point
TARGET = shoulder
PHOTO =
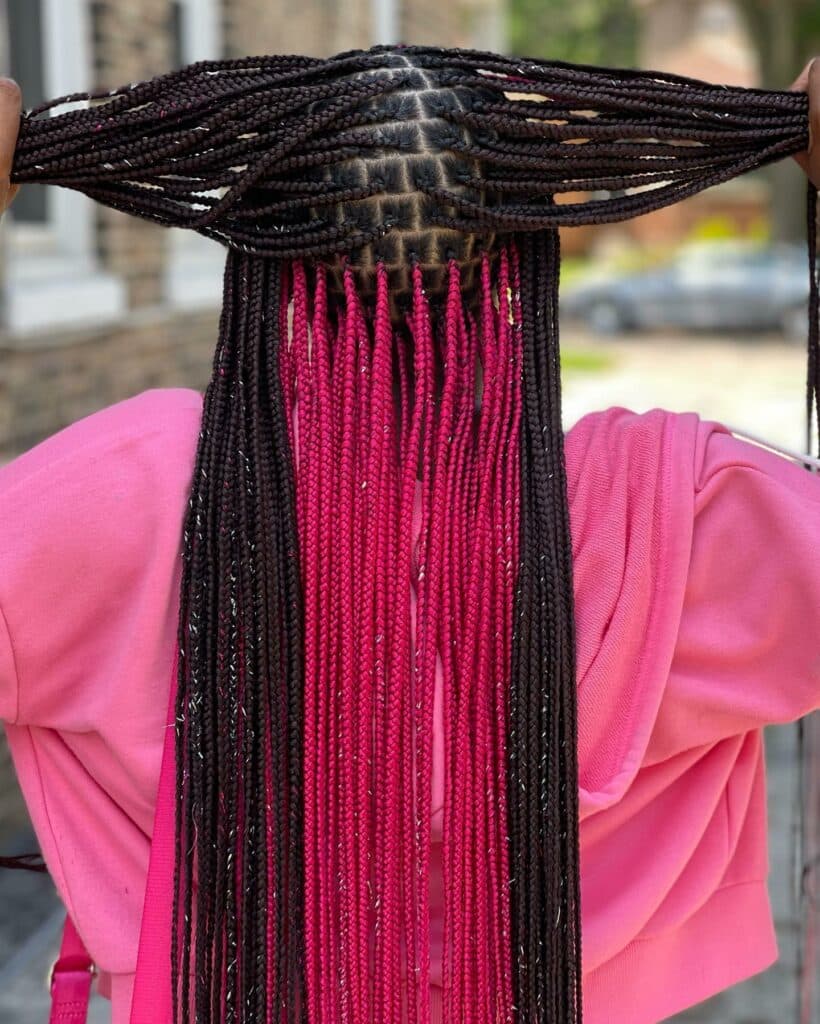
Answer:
(620, 451)
(90, 527)
(95, 497)
(157, 419)
(631, 480)
(621, 429)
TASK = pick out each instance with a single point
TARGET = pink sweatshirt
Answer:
(697, 588)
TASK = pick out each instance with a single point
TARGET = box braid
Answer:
(391, 217)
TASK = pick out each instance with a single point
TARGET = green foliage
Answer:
(785, 33)
(719, 227)
(585, 360)
(572, 267)
(582, 31)
(716, 226)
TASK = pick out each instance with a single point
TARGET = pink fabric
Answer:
(697, 582)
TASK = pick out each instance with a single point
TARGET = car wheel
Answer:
(605, 317)
(794, 324)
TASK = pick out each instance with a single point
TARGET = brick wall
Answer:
(318, 29)
(51, 385)
(326, 27)
(130, 43)
(50, 379)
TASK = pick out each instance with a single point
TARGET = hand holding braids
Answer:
(401, 153)
(404, 202)
(257, 128)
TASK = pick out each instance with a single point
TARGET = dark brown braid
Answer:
(407, 157)
(544, 817)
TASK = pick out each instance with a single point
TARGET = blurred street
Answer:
(751, 384)
(755, 383)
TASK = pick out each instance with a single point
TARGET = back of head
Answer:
(402, 164)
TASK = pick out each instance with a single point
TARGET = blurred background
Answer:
(701, 306)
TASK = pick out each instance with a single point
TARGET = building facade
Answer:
(96, 305)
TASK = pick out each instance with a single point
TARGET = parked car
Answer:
(714, 286)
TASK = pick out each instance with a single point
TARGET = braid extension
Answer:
(376, 865)
(382, 430)
(241, 604)
(543, 759)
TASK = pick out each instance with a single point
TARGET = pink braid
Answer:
(403, 500)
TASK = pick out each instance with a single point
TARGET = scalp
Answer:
(411, 149)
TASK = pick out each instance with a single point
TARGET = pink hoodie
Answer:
(697, 584)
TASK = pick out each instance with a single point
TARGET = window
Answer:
(384, 16)
(26, 67)
(195, 31)
(177, 19)
(51, 275)
(195, 264)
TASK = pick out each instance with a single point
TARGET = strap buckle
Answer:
(90, 969)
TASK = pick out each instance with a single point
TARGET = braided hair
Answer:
(387, 362)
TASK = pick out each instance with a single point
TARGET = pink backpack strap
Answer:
(151, 999)
(71, 978)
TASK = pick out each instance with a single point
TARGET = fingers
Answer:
(813, 90)
(808, 81)
(10, 106)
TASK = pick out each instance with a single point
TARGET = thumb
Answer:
(813, 152)
(10, 107)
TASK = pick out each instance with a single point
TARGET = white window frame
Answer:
(51, 276)
(384, 18)
(195, 264)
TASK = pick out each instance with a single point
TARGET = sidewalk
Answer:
(31, 921)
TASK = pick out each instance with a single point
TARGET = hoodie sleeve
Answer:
(8, 674)
(84, 527)
(748, 646)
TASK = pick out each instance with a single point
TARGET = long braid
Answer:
(544, 858)
(258, 569)
(400, 202)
